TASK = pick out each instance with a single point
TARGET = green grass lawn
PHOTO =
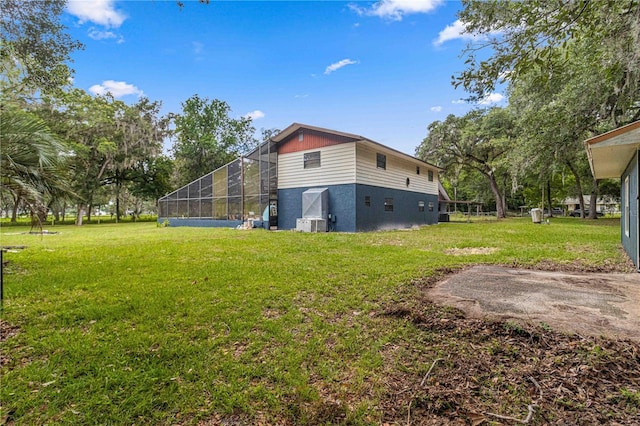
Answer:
(139, 324)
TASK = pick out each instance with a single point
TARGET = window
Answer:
(420, 206)
(430, 206)
(417, 170)
(300, 136)
(312, 160)
(381, 161)
(388, 204)
(430, 175)
(408, 182)
(626, 206)
(367, 200)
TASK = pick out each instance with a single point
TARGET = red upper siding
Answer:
(311, 140)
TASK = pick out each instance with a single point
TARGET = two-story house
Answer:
(366, 185)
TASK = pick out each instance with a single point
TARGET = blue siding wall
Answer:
(347, 205)
(405, 209)
(341, 206)
(630, 243)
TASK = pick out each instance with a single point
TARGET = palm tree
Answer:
(30, 161)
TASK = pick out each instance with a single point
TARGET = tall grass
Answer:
(139, 324)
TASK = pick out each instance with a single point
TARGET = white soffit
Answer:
(610, 153)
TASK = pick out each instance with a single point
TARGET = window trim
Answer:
(430, 175)
(310, 163)
(421, 206)
(381, 161)
(627, 204)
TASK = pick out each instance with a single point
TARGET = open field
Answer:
(139, 324)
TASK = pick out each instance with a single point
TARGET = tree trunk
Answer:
(593, 201)
(574, 172)
(14, 213)
(80, 214)
(496, 194)
(549, 198)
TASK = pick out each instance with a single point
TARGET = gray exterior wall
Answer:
(347, 206)
(630, 243)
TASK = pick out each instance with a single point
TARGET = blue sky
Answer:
(377, 69)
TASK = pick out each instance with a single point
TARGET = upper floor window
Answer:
(312, 160)
(430, 175)
(417, 170)
(381, 161)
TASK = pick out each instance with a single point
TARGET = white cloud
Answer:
(436, 108)
(96, 34)
(459, 101)
(101, 12)
(491, 98)
(254, 115)
(337, 65)
(457, 31)
(453, 32)
(117, 88)
(198, 48)
(396, 9)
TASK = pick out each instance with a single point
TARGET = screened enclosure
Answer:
(237, 191)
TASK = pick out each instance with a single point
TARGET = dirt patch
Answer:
(469, 251)
(584, 303)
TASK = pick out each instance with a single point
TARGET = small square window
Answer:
(367, 200)
(430, 175)
(312, 160)
(420, 206)
(388, 204)
(381, 161)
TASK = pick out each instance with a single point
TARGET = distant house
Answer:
(603, 204)
(615, 155)
(308, 176)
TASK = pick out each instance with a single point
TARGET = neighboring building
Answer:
(603, 204)
(369, 186)
(615, 155)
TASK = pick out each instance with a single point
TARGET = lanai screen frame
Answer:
(239, 190)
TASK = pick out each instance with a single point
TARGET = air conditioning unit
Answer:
(307, 224)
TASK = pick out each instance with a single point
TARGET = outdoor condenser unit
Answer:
(315, 210)
(306, 224)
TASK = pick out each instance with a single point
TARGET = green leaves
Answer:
(538, 36)
(30, 159)
(34, 36)
(208, 137)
